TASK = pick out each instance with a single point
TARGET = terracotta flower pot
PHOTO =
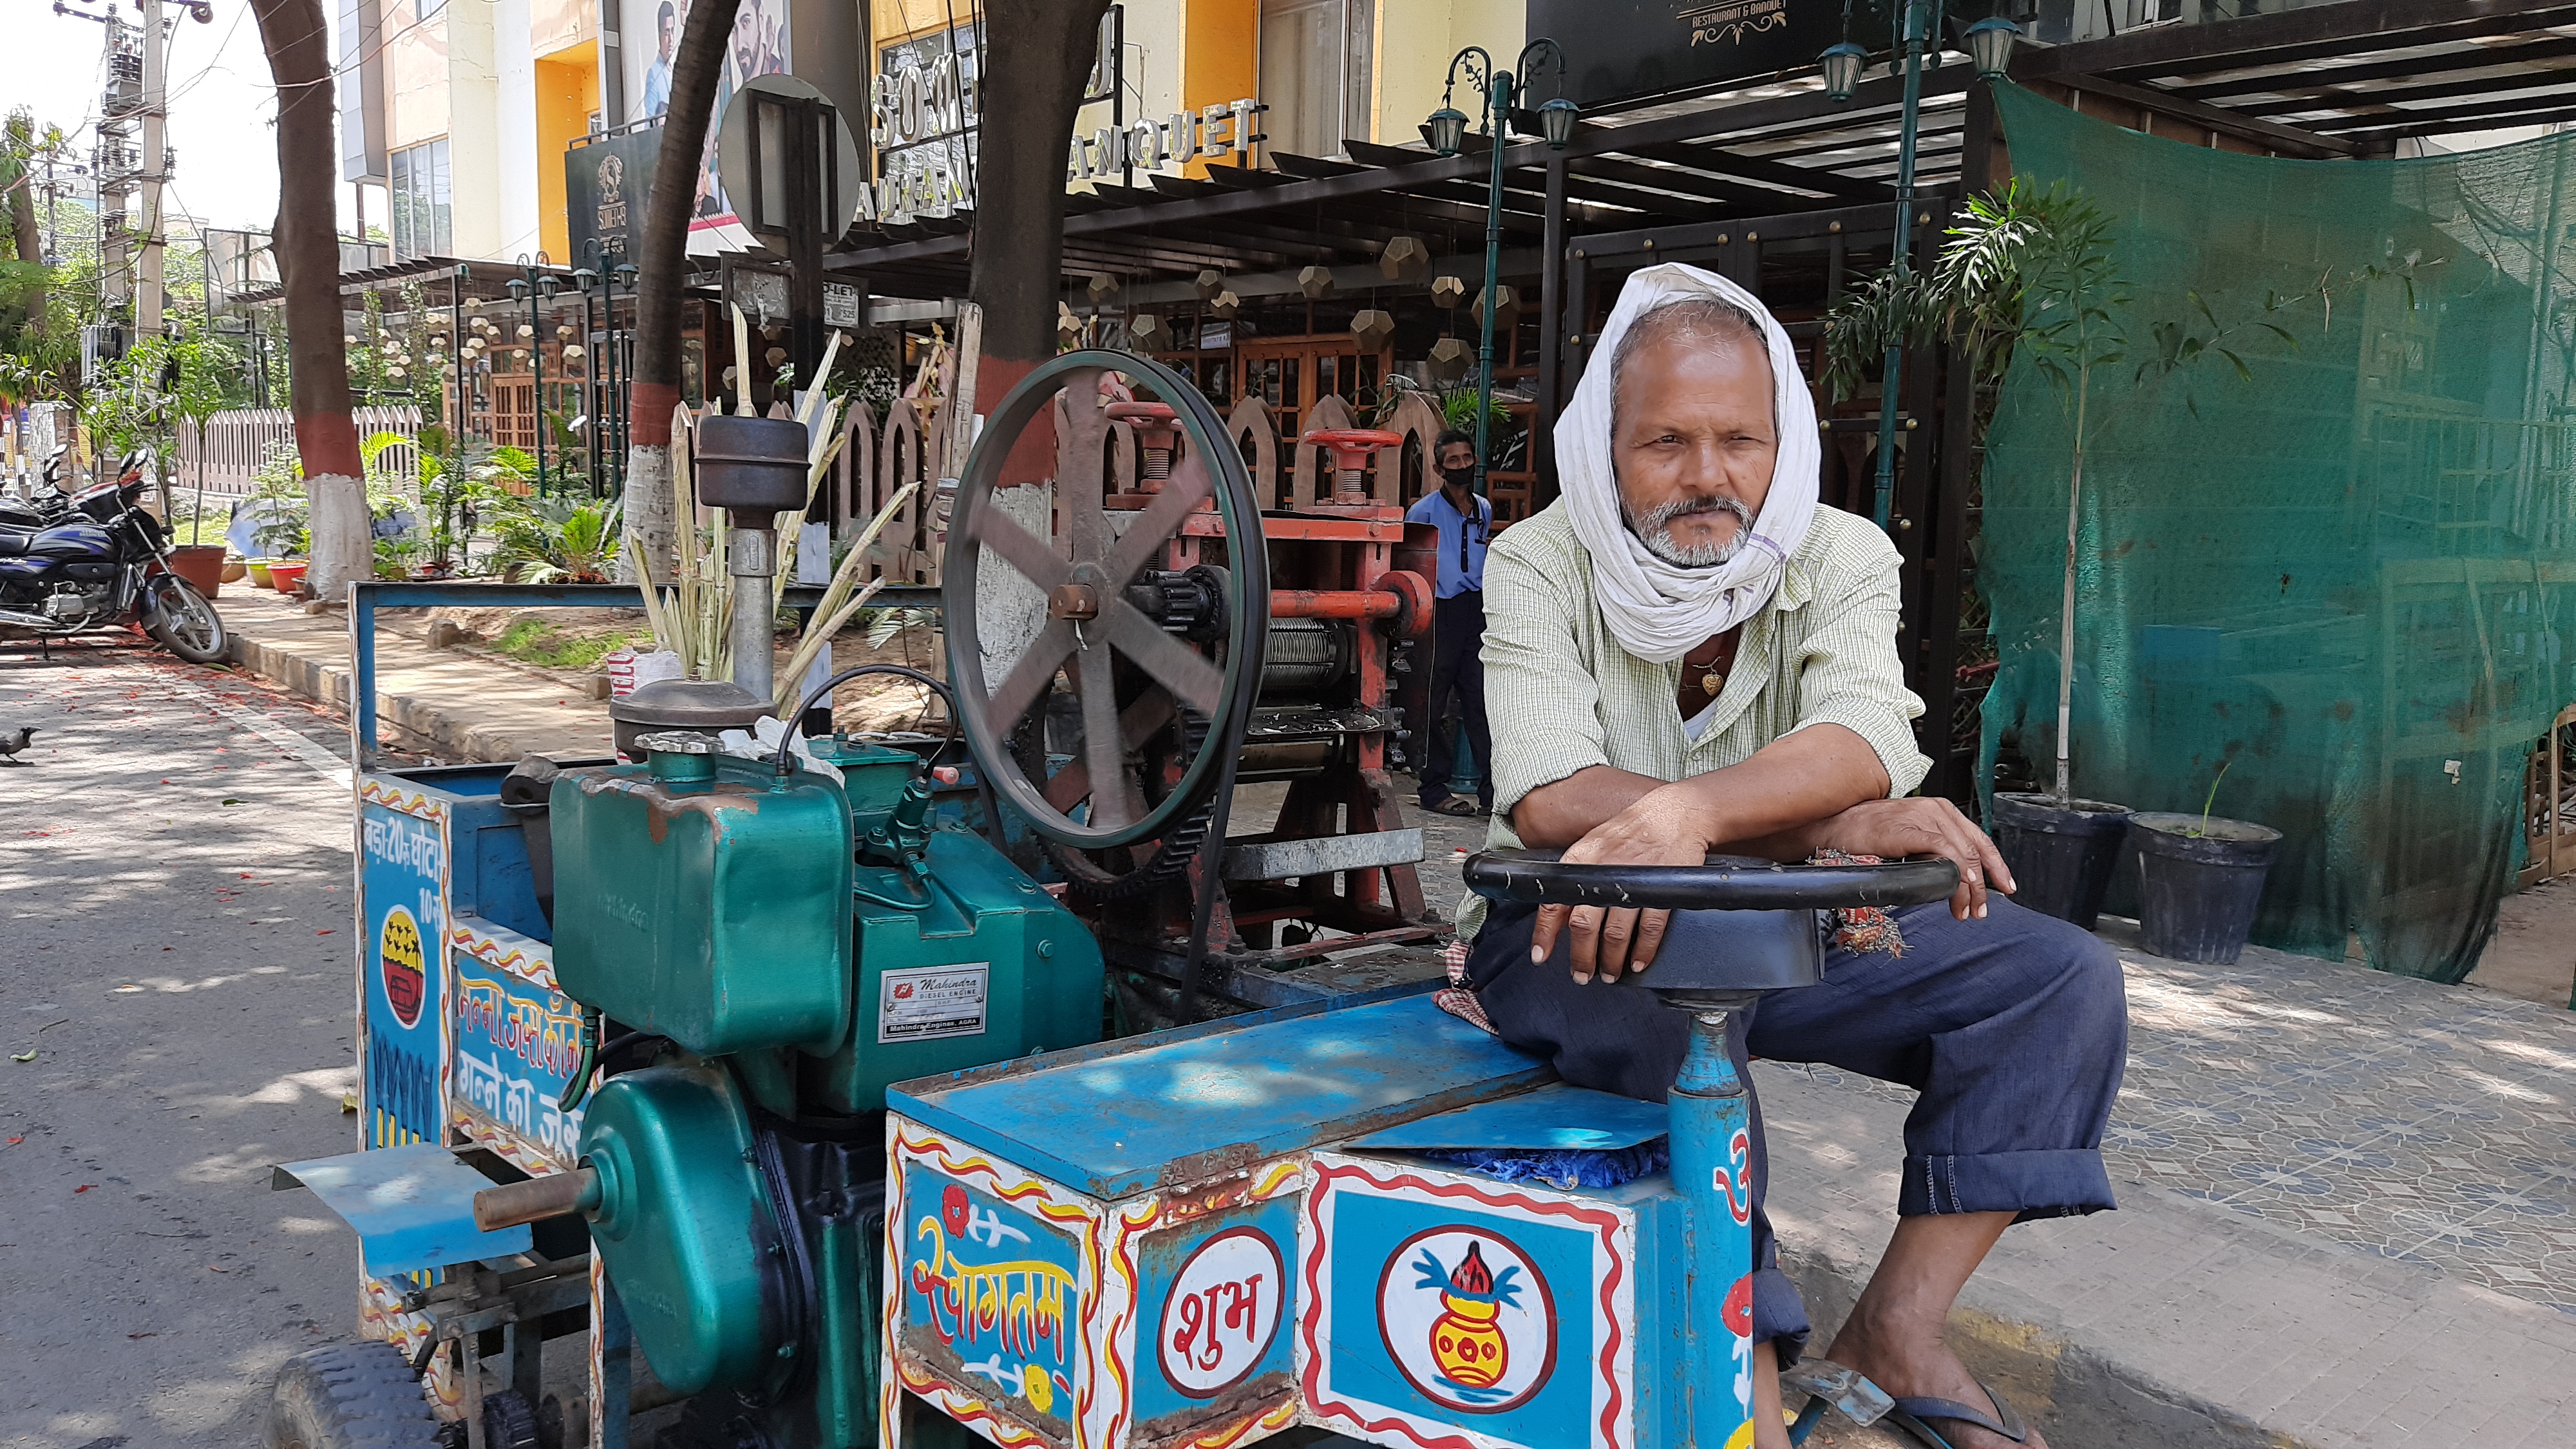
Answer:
(201, 564)
(235, 570)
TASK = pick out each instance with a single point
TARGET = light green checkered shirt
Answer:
(1563, 695)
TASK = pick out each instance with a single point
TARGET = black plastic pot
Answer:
(2199, 880)
(2061, 855)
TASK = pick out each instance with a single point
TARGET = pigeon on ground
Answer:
(10, 747)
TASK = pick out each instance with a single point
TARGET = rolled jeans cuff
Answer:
(1779, 1315)
(2054, 1183)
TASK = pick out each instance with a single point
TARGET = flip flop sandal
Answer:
(1831, 1385)
(1453, 806)
(1910, 1413)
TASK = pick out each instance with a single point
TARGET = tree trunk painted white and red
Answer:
(661, 265)
(307, 246)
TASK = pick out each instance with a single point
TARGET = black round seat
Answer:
(1741, 925)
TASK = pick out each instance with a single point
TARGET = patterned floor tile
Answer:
(2417, 1121)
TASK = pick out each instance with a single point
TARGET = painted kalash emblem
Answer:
(1468, 1318)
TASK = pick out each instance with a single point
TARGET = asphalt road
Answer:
(175, 908)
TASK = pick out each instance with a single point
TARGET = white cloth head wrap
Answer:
(1660, 611)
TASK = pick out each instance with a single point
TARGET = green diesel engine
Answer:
(779, 947)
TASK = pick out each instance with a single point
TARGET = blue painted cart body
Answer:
(464, 1043)
(1235, 1229)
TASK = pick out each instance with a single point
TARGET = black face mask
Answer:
(1462, 474)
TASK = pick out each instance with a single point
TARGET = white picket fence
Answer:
(239, 439)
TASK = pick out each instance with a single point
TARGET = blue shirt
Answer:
(1462, 540)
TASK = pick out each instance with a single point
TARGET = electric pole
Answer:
(155, 115)
(125, 163)
(116, 161)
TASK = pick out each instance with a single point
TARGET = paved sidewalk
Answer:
(456, 704)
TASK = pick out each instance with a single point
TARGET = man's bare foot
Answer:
(1913, 1366)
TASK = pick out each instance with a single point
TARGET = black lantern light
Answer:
(1556, 122)
(1448, 128)
(1842, 64)
(1990, 46)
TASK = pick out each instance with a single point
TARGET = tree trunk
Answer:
(661, 265)
(1037, 55)
(307, 245)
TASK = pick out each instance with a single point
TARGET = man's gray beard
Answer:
(1654, 529)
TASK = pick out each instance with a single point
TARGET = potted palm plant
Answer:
(2025, 273)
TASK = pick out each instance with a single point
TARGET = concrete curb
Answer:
(2078, 1392)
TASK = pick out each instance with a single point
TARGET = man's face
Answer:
(1457, 463)
(669, 27)
(1693, 444)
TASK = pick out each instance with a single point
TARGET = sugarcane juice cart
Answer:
(827, 1120)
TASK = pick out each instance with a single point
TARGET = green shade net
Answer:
(2344, 578)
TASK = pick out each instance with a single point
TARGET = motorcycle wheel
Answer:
(184, 622)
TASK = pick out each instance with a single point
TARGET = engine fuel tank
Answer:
(701, 897)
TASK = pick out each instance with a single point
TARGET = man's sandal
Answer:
(1831, 1385)
(1454, 806)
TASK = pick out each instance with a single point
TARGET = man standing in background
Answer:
(1465, 522)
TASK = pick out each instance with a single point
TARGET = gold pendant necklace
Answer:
(1711, 682)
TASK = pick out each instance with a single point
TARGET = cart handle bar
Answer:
(1726, 883)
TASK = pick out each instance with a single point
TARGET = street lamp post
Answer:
(608, 407)
(536, 286)
(1501, 91)
(1990, 43)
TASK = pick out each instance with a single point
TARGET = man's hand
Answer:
(1661, 828)
(1896, 828)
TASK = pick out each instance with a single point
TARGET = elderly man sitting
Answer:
(1697, 656)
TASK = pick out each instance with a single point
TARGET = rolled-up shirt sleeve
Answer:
(1848, 669)
(1539, 690)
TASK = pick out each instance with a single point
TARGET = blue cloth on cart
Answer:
(1566, 1168)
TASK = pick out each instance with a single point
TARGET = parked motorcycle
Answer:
(98, 560)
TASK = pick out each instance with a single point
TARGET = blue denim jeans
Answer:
(2014, 1028)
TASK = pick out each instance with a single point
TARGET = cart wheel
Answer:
(348, 1396)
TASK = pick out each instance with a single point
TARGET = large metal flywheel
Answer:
(1107, 659)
